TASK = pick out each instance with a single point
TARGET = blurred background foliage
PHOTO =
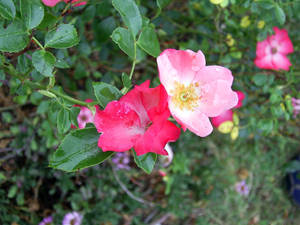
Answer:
(199, 184)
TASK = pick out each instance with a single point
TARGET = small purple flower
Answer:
(296, 106)
(46, 221)
(242, 188)
(121, 159)
(73, 218)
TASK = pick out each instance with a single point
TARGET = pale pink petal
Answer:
(216, 97)
(85, 116)
(179, 65)
(212, 73)
(281, 62)
(262, 48)
(225, 116)
(280, 34)
(286, 46)
(119, 125)
(50, 3)
(156, 137)
(195, 121)
(264, 62)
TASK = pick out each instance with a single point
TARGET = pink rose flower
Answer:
(228, 114)
(241, 97)
(195, 91)
(272, 52)
(85, 116)
(53, 3)
(296, 106)
(139, 120)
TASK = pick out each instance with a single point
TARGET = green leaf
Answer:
(7, 9)
(12, 191)
(2, 77)
(48, 21)
(148, 41)
(14, 38)
(105, 93)
(126, 80)
(146, 161)
(64, 36)
(32, 12)
(130, 14)
(162, 3)
(79, 150)
(63, 121)
(124, 40)
(43, 62)
(260, 79)
(73, 115)
(279, 14)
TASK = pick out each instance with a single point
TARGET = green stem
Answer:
(134, 61)
(38, 43)
(11, 71)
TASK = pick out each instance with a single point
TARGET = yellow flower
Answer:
(261, 24)
(229, 40)
(216, 2)
(245, 22)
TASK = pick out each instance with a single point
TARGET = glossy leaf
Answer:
(279, 14)
(126, 80)
(105, 93)
(32, 12)
(260, 79)
(79, 150)
(43, 62)
(148, 41)
(14, 38)
(130, 14)
(7, 9)
(64, 36)
(146, 161)
(63, 121)
(124, 40)
(162, 3)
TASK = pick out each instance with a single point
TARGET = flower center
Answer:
(84, 118)
(185, 97)
(273, 50)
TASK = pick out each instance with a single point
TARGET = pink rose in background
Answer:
(296, 106)
(241, 97)
(52, 3)
(272, 52)
(139, 120)
(228, 114)
(85, 115)
(223, 117)
(195, 91)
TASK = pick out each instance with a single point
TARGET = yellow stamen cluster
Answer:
(185, 97)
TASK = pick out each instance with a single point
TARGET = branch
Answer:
(129, 193)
